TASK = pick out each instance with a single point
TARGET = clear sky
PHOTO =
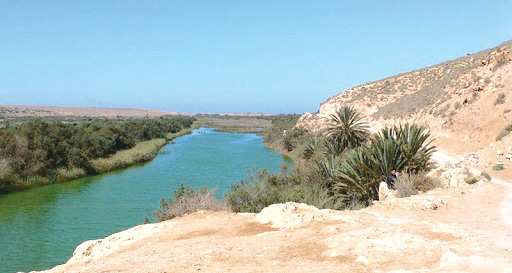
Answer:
(228, 56)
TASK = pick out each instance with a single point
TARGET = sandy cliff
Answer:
(465, 103)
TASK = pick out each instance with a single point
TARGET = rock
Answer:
(508, 156)
(473, 159)
(292, 215)
(384, 192)
(453, 178)
(286, 216)
(364, 260)
(499, 152)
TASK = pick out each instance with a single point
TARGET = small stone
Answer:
(499, 152)
(364, 260)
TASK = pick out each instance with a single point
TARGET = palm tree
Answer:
(404, 148)
(348, 128)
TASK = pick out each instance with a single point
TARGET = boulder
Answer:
(384, 192)
(453, 178)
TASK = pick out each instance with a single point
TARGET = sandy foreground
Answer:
(444, 230)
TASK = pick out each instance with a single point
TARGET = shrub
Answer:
(405, 148)
(410, 184)
(142, 152)
(68, 174)
(311, 147)
(424, 183)
(188, 200)
(487, 176)
(502, 134)
(500, 99)
(263, 189)
(348, 128)
(471, 180)
(508, 127)
(498, 167)
(405, 186)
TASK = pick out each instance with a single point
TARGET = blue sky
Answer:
(228, 56)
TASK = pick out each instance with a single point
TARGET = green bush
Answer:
(348, 128)
(502, 134)
(500, 99)
(487, 176)
(57, 151)
(498, 167)
(471, 180)
(405, 148)
(263, 189)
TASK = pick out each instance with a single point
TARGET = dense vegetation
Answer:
(38, 152)
(339, 168)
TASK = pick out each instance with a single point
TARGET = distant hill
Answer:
(465, 102)
(13, 111)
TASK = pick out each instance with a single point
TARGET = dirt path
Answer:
(446, 157)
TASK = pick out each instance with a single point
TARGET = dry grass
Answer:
(408, 185)
(142, 152)
(68, 174)
(188, 200)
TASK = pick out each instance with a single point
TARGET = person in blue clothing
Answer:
(390, 180)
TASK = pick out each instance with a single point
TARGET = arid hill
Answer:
(466, 103)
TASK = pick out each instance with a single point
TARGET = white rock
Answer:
(364, 260)
(452, 178)
(286, 216)
(472, 159)
(499, 152)
(384, 192)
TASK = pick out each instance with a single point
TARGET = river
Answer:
(40, 227)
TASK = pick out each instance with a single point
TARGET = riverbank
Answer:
(295, 237)
(143, 151)
(52, 220)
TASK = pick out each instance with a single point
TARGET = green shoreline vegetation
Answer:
(338, 168)
(41, 152)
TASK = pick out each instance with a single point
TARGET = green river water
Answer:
(40, 227)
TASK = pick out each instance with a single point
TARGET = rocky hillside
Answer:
(469, 99)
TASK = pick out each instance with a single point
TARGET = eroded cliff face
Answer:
(440, 231)
(469, 99)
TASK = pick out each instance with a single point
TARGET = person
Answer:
(390, 180)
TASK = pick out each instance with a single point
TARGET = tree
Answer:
(348, 128)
